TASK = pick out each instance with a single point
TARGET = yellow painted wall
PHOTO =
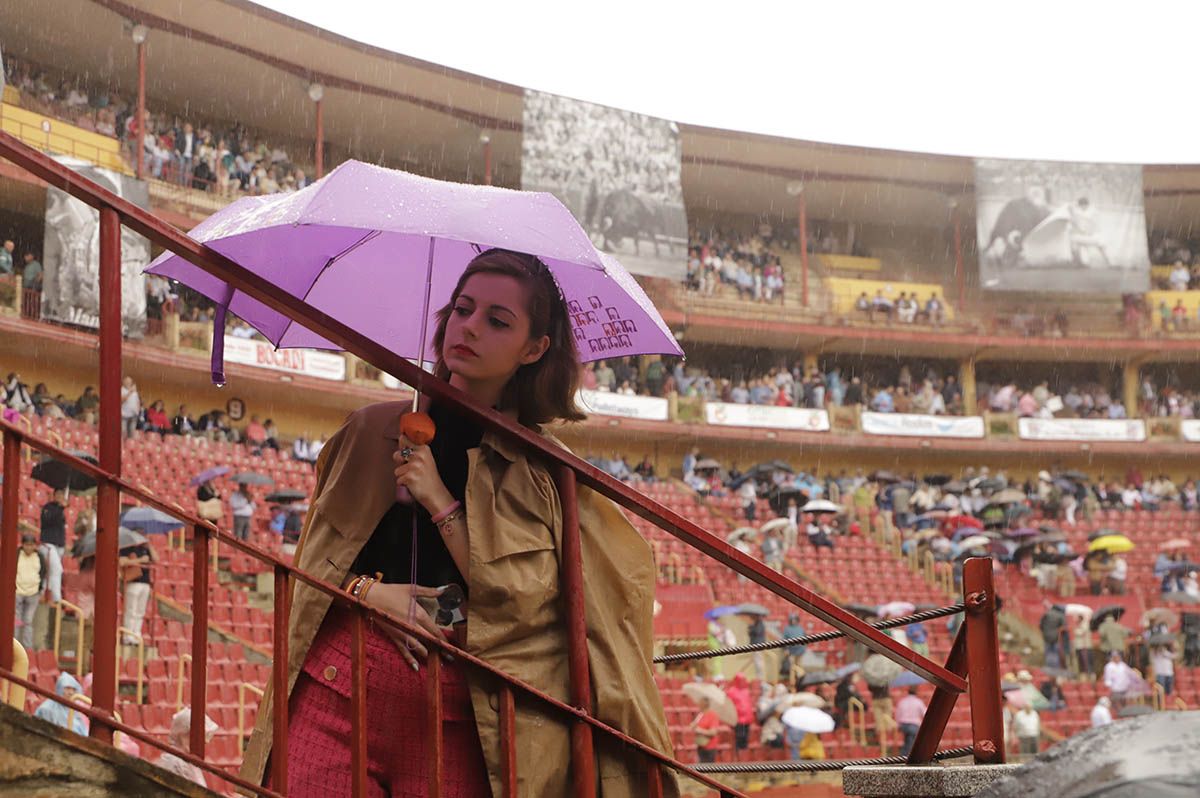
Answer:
(851, 263)
(62, 137)
(1191, 301)
(845, 290)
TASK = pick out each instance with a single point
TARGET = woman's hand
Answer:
(420, 475)
(400, 601)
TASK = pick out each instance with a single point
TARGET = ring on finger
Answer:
(406, 453)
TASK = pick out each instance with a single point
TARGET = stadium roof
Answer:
(232, 59)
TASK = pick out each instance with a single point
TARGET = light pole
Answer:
(316, 93)
(486, 141)
(959, 273)
(139, 33)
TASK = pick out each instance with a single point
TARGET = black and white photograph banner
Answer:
(71, 254)
(1067, 227)
(618, 172)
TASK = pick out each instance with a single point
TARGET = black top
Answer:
(54, 524)
(389, 551)
(140, 551)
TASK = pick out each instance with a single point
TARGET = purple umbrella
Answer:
(1023, 532)
(378, 249)
(208, 474)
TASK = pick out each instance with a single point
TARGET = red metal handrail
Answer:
(567, 469)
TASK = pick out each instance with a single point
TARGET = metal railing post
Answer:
(983, 661)
(104, 637)
(200, 576)
(583, 765)
(940, 706)
(9, 544)
(279, 675)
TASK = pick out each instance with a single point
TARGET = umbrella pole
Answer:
(424, 325)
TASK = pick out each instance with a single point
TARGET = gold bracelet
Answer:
(444, 524)
(362, 596)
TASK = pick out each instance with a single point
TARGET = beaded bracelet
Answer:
(444, 524)
(371, 581)
(446, 513)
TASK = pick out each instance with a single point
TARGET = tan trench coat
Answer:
(515, 616)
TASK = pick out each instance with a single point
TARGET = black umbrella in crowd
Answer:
(989, 484)
(773, 465)
(1074, 476)
(252, 478)
(884, 476)
(61, 476)
(1115, 611)
(937, 479)
(86, 545)
(285, 496)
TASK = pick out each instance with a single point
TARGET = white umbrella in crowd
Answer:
(808, 719)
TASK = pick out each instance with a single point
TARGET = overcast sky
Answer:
(1083, 81)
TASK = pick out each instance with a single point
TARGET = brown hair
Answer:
(542, 391)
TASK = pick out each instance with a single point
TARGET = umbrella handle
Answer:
(420, 429)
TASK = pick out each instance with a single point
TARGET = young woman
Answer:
(489, 523)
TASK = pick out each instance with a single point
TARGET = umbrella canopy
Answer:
(1075, 476)
(937, 479)
(989, 484)
(150, 521)
(878, 670)
(61, 476)
(1114, 544)
(86, 545)
(752, 609)
(883, 476)
(707, 464)
(895, 609)
(1161, 639)
(1133, 710)
(1174, 544)
(1078, 610)
(974, 541)
(357, 244)
(907, 679)
(1023, 532)
(862, 610)
(1160, 615)
(821, 506)
(959, 521)
(717, 700)
(808, 700)
(1096, 534)
(719, 612)
(775, 523)
(773, 465)
(1008, 496)
(285, 496)
(818, 677)
(209, 474)
(741, 533)
(1017, 698)
(955, 486)
(1114, 611)
(252, 478)
(808, 719)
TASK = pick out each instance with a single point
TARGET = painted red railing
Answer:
(974, 651)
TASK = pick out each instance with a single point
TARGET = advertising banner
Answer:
(769, 416)
(1081, 429)
(606, 403)
(309, 362)
(1189, 430)
(923, 426)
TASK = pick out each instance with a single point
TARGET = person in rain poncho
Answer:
(67, 687)
(181, 724)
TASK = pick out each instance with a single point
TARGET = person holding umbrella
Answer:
(134, 563)
(707, 727)
(242, 505)
(504, 338)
